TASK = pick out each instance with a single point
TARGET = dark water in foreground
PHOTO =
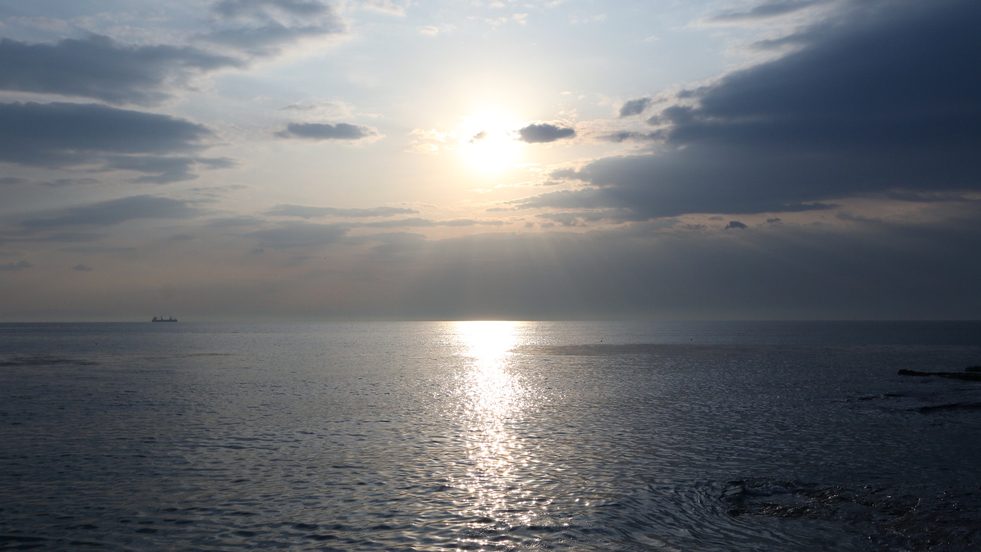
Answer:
(489, 436)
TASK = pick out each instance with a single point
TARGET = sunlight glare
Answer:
(494, 391)
(488, 341)
(485, 143)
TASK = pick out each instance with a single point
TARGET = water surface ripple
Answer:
(489, 436)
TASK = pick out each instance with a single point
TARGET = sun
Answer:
(486, 145)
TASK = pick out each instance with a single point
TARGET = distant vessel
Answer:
(162, 319)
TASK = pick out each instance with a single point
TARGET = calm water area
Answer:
(736, 436)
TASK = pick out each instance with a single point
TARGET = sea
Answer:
(490, 435)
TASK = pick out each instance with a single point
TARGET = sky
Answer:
(457, 159)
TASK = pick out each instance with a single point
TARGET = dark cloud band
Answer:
(98, 67)
(66, 133)
(887, 99)
(58, 135)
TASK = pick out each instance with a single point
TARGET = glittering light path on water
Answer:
(494, 398)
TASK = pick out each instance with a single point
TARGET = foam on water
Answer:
(488, 436)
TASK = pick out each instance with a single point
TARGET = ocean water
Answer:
(490, 436)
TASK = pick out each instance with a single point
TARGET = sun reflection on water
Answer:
(494, 397)
(494, 392)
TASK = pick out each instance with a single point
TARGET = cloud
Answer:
(46, 23)
(82, 268)
(11, 180)
(299, 234)
(470, 222)
(735, 225)
(775, 272)
(385, 6)
(59, 135)
(100, 68)
(582, 217)
(544, 133)
(426, 223)
(263, 28)
(304, 211)
(324, 131)
(30, 131)
(397, 243)
(624, 136)
(96, 250)
(886, 99)
(565, 219)
(323, 108)
(164, 170)
(766, 10)
(66, 134)
(229, 222)
(565, 174)
(60, 182)
(478, 137)
(635, 107)
(588, 198)
(21, 265)
(71, 237)
(894, 270)
(112, 212)
(248, 8)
